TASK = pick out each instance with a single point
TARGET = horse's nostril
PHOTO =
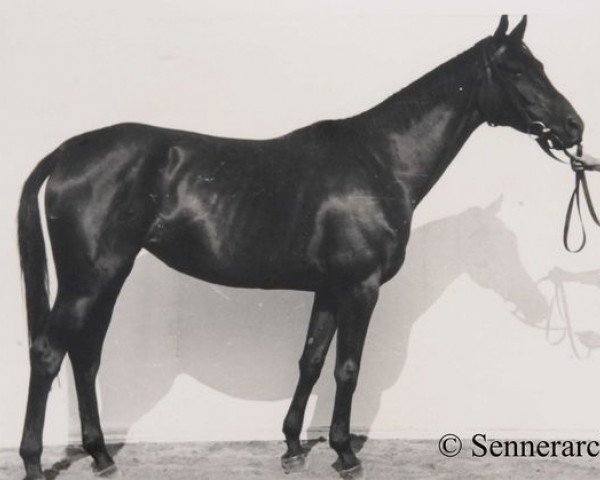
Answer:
(574, 126)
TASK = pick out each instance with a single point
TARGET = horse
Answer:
(326, 209)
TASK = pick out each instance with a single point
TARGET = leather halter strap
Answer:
(492, 110)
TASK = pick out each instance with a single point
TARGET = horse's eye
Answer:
(512, 70)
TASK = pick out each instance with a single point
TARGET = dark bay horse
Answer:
(326, 208)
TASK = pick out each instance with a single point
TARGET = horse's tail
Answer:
(32, 251)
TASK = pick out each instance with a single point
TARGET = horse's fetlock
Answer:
(93, 442)
(339, 438)
(292, 425)
(30, 452)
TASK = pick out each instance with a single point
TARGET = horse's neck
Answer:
(420, 129)
(421, 154)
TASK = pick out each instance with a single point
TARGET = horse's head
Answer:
(516, 91)
(494, 262)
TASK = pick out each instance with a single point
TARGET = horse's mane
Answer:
(433, 87)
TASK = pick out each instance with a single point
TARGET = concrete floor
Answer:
(382, 460)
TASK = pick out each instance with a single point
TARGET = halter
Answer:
(545, 138)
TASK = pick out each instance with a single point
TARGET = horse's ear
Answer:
(500, 32)
(517, 34)
(494, 207)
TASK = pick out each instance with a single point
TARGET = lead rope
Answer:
(580, 184)
(559, 304)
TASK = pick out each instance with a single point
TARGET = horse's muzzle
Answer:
(568, 137)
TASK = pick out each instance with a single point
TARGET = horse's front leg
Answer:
(318, 339)
(354, 306)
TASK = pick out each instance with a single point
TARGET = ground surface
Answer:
(382, 460)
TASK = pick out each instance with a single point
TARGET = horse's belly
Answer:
(249, 258)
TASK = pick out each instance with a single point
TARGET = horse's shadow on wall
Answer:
(246, 343)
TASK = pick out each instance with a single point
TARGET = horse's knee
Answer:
(346, 374)
(311, 365)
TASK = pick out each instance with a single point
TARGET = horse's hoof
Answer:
(297, 463)
(34, 472)
(111, 471)
(353, 473)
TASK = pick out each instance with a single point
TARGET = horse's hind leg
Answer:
(89, 315)
(85, 352)
(46, 354)
(320, 332)
(77, 325)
